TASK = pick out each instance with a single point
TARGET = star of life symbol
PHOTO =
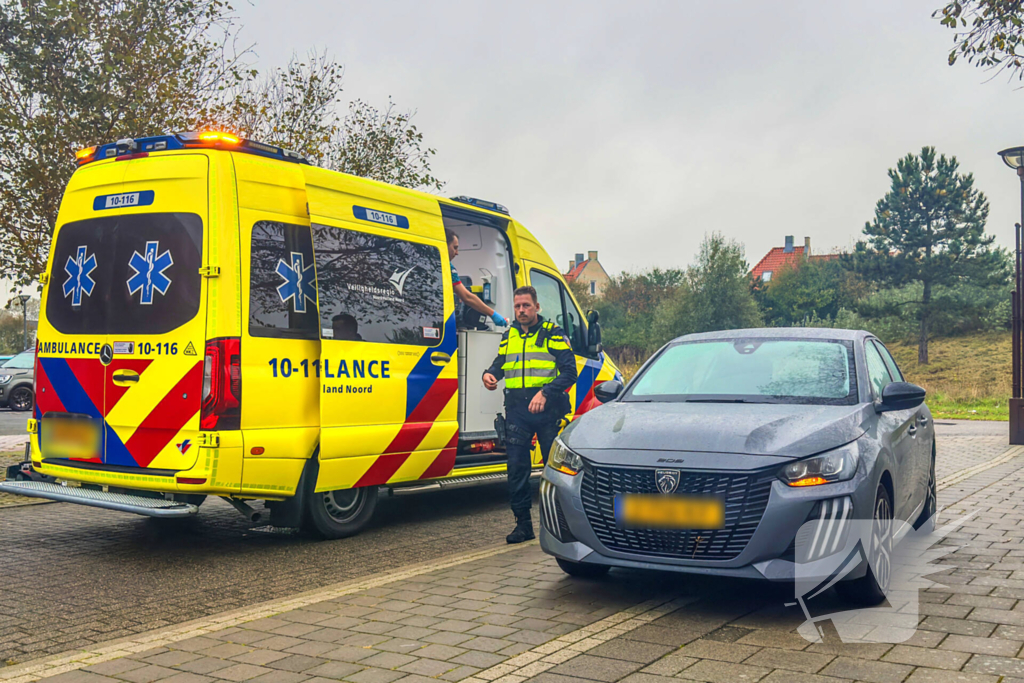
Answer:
(149, 272)
(79, 279)
(398, 279)
(299, 284)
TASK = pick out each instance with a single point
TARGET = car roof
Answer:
(829, 333)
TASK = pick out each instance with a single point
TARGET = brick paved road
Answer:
(77, 576)
(514, 617)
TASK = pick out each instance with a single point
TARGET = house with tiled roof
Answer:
(788, 256)
(589, 271)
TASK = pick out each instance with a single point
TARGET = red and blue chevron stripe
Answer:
(426, 396)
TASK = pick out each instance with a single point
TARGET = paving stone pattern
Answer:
(516, 617)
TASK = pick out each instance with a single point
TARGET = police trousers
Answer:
(520, 427)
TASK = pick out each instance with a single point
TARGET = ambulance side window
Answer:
(378, 289)
(282, 283)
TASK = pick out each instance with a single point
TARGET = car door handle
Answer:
(922, 420)
(125, 377)
(912, 430)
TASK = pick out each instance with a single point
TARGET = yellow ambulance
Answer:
(220, 317)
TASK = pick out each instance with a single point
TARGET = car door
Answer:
(896, 428)
(557, 305)
(925, 430)
(388, 368)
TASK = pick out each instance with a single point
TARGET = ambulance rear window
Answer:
(378, 289)
(132, 274)
(282, 284)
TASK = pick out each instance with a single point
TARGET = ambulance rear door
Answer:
(126, 285)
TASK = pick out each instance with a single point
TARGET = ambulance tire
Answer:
(343, 513)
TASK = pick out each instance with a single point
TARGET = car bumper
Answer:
(566, 532)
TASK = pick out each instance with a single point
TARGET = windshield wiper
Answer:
(716, 400)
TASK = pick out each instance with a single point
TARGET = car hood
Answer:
(788, 431)
(14, 373)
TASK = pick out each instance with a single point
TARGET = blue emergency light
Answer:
(130, 148)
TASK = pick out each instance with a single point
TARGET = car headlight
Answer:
(837, 465)
(564, 460)
(4, 379)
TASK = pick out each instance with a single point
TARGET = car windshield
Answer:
(23, 361)
(751, 371)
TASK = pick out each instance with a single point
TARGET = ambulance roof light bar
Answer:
(481, 203)
(128, 147)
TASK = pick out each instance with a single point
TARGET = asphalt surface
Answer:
(75, 576)
(12, 423)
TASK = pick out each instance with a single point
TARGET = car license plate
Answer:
(669, 512)
(71, 438)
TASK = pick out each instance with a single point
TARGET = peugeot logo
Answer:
(667, 480)
(106, 354)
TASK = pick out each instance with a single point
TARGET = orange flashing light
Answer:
(216, 136)
(85, 154)
(809, 481)
(565, 470)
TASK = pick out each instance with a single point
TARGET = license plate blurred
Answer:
(669, 512)
(71, 438)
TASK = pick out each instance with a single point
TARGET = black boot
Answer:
(523, 531)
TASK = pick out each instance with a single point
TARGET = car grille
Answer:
(745, 496)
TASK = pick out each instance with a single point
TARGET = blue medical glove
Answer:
(499, 319)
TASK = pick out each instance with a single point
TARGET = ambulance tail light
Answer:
(222, 385)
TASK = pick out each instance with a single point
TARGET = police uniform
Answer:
(531, 360)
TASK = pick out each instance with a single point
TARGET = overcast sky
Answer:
(634, 128)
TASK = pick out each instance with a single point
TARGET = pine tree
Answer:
(929, 228)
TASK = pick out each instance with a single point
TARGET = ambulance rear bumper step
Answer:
(455, 483)
(150, 507)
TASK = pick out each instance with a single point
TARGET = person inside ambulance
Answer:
(539, 368)
(345, 328)
(465, 296)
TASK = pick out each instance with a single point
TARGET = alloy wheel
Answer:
(881, 543)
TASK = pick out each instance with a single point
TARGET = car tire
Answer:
(342, 513)
(926, 520)
(21, 399)
(870, 588)
(581, 570)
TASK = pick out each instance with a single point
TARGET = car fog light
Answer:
(564, 460)
(837, 465)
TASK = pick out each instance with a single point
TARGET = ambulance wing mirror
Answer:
(593, 333)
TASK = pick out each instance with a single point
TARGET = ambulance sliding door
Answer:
(388, 367)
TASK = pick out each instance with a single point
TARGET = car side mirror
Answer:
(594, 333)
(607, 391)
(900, 396)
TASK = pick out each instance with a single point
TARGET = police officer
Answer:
(539, 367)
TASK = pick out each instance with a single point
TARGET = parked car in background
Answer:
(4, 359)
(17, 375)
(726, 443)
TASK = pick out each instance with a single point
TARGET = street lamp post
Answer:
(23, 300)
(1014, 158)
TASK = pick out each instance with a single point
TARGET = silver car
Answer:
(724, 444)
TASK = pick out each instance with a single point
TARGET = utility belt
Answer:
(522, 397)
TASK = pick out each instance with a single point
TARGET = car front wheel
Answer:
(342, 513)
(870, 588)
(21, 399)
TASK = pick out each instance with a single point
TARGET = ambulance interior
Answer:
(485, 267)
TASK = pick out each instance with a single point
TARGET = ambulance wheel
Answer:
(343, 513)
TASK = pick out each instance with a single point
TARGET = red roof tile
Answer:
(777, 259)
(572, 274)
